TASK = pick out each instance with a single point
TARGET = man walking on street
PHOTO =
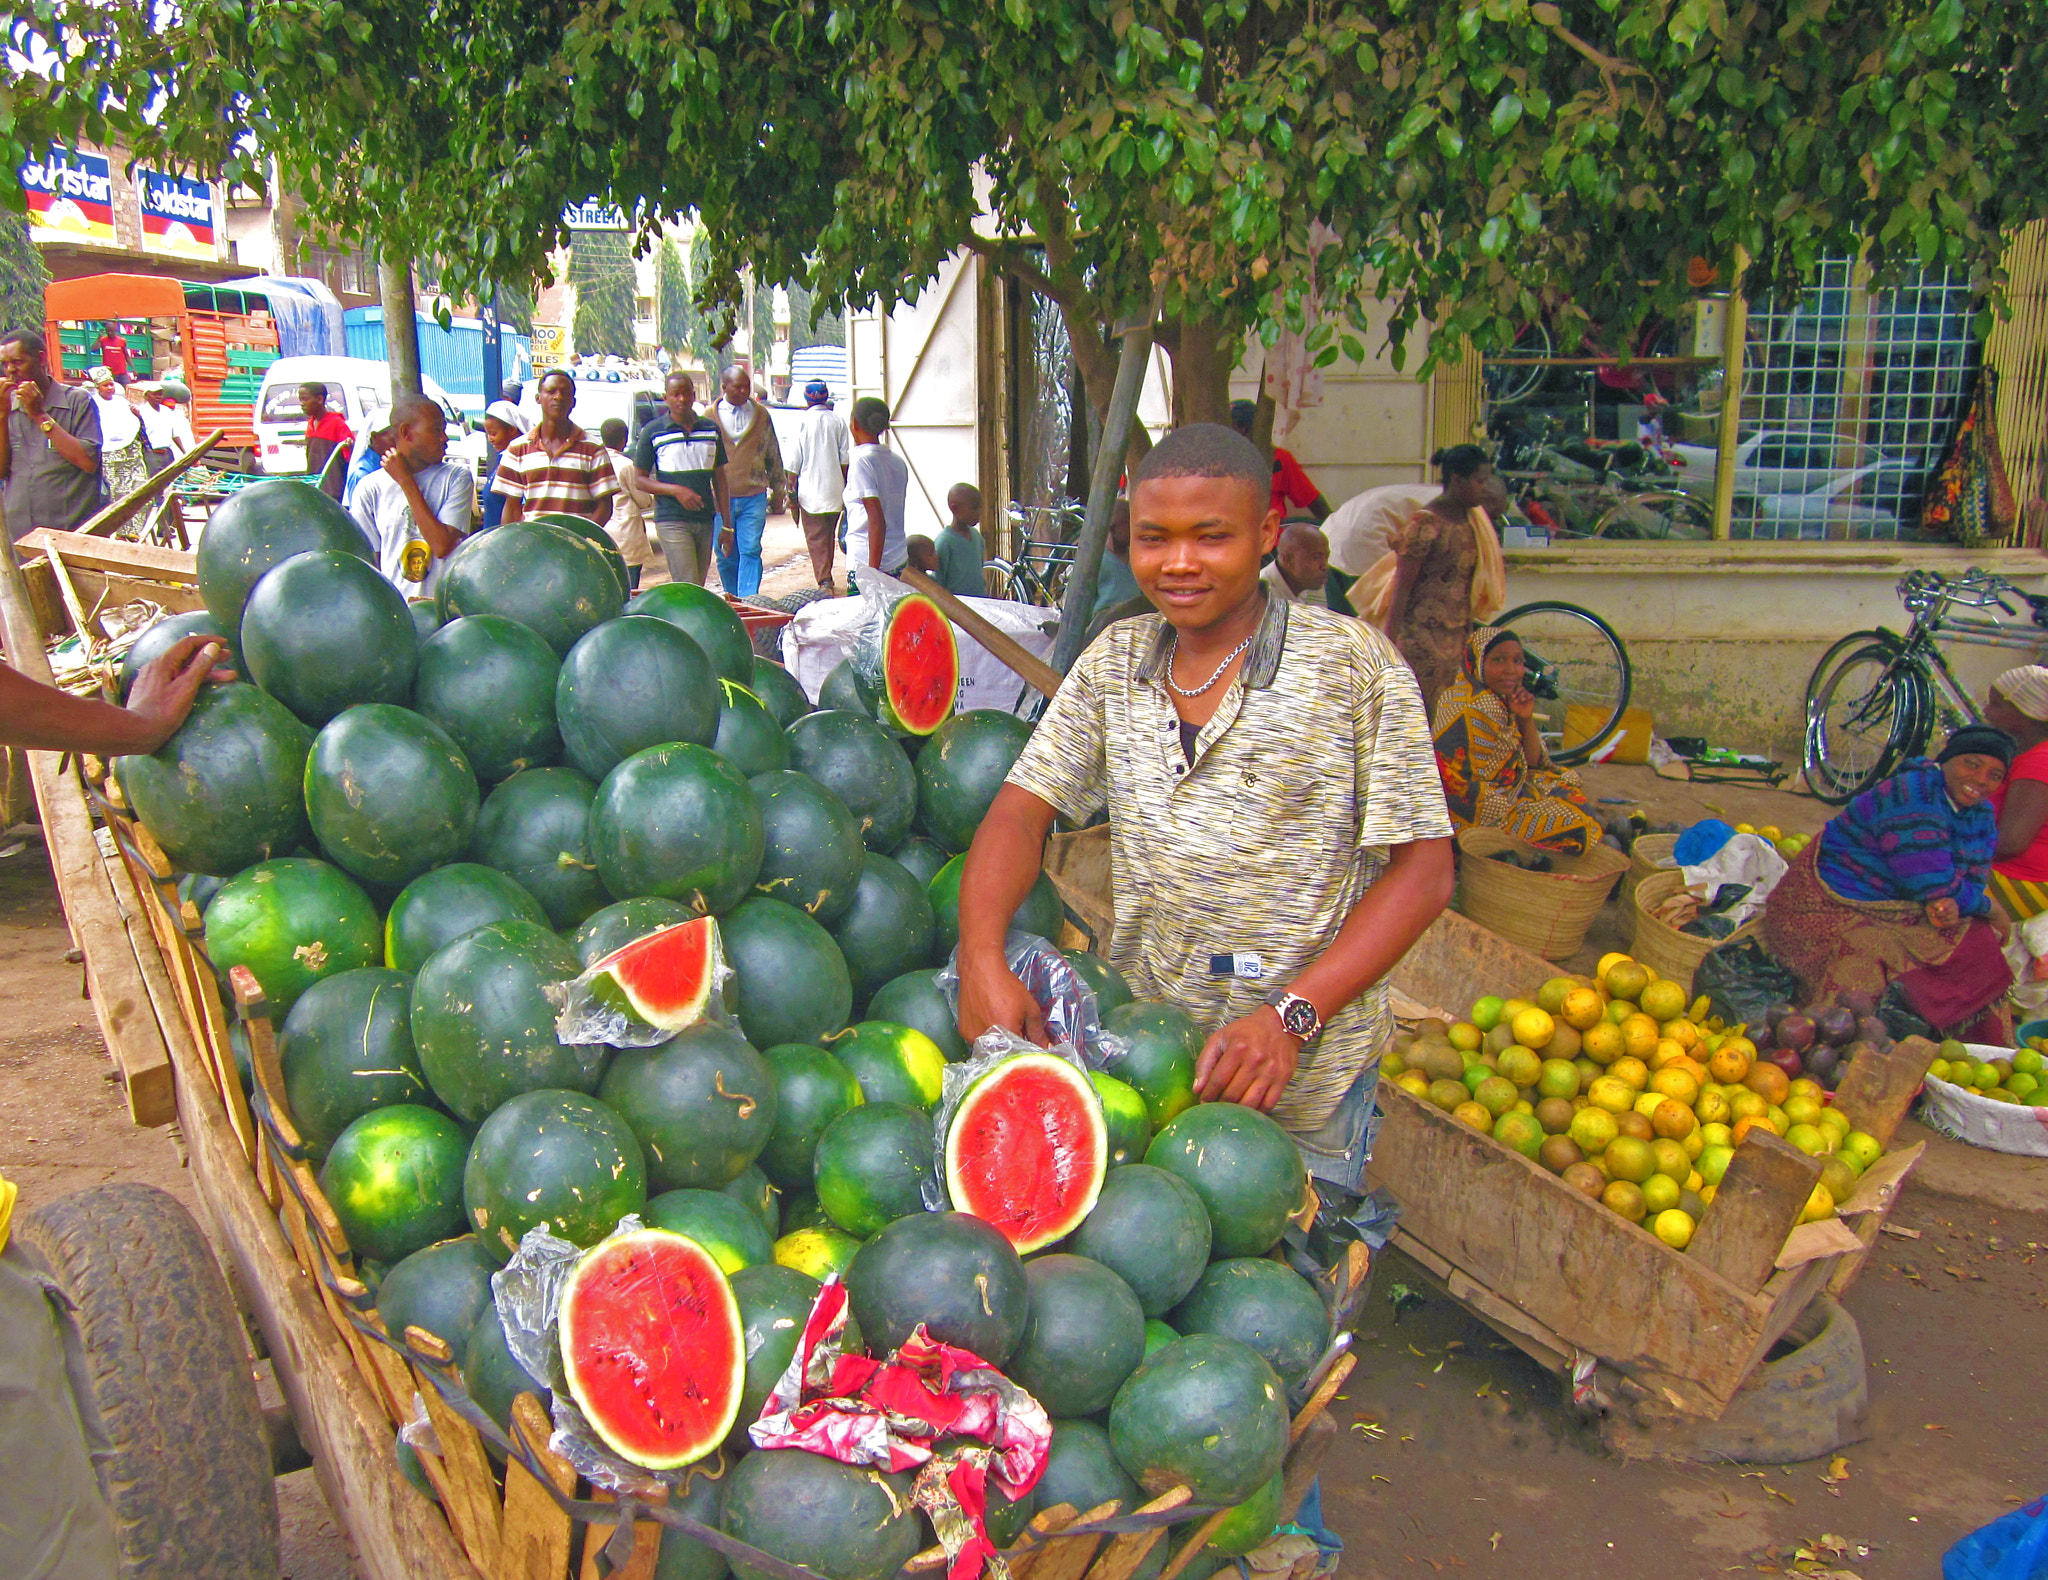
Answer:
(628, 527)
(326, 432)
(558, 466)
(166, 431)
(50, 444)
(754, 460)
(877, 482)
(818, 459)
(121, 459)
(419, 506)
(680, 458)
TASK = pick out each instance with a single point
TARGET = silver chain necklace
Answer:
(1229, 658)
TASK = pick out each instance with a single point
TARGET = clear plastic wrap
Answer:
(877, 598)
(991, 1048)
(1066, 1002)
(588, 1008)
(528, 1292)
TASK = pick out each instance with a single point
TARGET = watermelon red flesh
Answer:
(665, 979)
(920, 667)
(652, 1347)
(1027, 1150)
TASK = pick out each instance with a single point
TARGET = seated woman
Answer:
(1893, 892)
(2019, 875)
(1490, 753)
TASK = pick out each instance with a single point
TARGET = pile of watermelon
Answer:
(411, 823)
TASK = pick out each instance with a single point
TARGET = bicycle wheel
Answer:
(1866, 709)
(1661, 513)
(1579, 672)
(1504, 386)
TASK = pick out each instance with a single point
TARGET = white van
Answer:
(359, 389)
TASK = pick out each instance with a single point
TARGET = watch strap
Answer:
(1298, 1017)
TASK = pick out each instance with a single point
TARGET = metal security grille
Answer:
(1849, 401)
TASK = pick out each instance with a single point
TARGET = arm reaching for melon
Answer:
(35, 715)
(1001, 867)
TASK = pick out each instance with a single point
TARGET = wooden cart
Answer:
(163, 1010)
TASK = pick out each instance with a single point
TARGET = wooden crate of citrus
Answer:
(1601, 1169)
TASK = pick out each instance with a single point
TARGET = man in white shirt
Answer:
(417, 506)
(166, 431)
(818, 456)
(877, 482)
(1301, 564)
(1364, 528)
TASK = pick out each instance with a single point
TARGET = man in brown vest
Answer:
(753, 465)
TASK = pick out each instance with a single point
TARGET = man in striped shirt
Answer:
(558, 466)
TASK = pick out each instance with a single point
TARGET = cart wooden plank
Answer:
(115, 556)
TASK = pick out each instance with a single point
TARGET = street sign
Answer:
(548, 340)
(594, 215)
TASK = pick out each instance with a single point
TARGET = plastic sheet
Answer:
(991, 1048)
(583, 1015)
(1741, 859)
(1067, 1003)
(2012, 1547)
(529, 1298)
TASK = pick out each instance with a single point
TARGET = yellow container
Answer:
(1635, 727)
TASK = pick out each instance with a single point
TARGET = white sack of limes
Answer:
(1961, 1113)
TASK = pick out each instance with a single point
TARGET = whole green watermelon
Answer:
(394, 1179)
(915, 1000)
(680, 822)
(389, 795)
(855, 758)
(790, 981)
(779, 692)
(841, 1522)
(227, 790)
(490, 683)
(554, 1158)
(166, 634)
(1245, 1168)
(483, 1024)
(702, 1104)
(706, 619)
(960, 769)
(441, 1289)
(547, 578)
(535, 828)
(1040, 915)
(263, 525)
(346, 1048)
(448, 903)
(324, 631)
(811, 851)
(291, 921)
(812, 1088)
(629, 684)
(887, 930)
(749, 736)
(1206, 1411)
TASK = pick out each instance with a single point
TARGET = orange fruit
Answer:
(1676, 1083)
(1602, 1043)
(1586, 1179)
(1631, 1071)
(1581, 1009)
(1625, 1198)
(1616, 1097)
(1674, 1228)
(1672, 1119)
(1754, 1122)
(1639, 1035)
(1625, 979)
(1728, 1065)
(1663, 1001)
(1683, 1032)
(1768, 1082)
(1475, 1115)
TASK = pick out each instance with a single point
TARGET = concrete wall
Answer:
(1723, 638)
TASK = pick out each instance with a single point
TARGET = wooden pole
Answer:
(128, 504)
(1109, 465)
(1734, 343)
(401, 322)
(1034, 671)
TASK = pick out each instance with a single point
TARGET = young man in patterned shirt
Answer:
(1279, 833)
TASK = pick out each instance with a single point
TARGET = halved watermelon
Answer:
(652, 1347)
(920, 667)
(1027, 1149)
(664, 980)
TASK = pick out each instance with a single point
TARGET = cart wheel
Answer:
(1808, 1402)
(768, 642)
(162, 1379)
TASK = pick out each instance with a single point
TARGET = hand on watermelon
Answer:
(1250, 1061)
(991, 996)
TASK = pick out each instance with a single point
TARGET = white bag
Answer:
(1961, 1115)
(1746, 858)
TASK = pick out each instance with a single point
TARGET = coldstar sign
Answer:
(70, 197)
(177, 215)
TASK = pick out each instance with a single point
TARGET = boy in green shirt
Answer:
(960, 547)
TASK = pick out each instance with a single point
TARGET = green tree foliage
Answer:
(601, 269)
(1466, 164)
(22, 277)
(675, 315)
(812, 322)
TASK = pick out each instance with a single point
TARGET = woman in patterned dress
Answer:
(1447, 570)
(1495, 769)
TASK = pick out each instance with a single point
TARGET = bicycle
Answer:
(1876, 698)
(1578, 671)
(1037, 574)
(1585, 490)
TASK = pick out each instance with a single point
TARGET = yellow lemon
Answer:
(1617, 1097)
(1770, 831)
(1582, 1009)
(1533, 1027)
(1632, 1071)
(1674, 1228)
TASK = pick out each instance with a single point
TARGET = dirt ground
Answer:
(1455, 1453)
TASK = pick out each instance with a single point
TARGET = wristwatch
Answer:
(47, 424)
(1298, 1017)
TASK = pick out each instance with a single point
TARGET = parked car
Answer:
(357, 388)
(1869, 502)
(1772, 463)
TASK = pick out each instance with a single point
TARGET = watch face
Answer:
(1299, 1017)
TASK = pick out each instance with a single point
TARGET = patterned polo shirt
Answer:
(1318, 761)
(571, 482)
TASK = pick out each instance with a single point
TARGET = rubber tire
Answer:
(1801, 1406)
(163, 1383)
(767, 640)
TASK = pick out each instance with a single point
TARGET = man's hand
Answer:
(1943, 913)
(727, 543)
(395, 465)
(1250, 1061)
(163, 690)
(991, 995)
(688, 498)
(28, 395)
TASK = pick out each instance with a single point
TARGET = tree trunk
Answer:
(401, 323)
(1202, 360)
(1096, 356)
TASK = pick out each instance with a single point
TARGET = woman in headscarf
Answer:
(1445, 570)
(1893, 892)
(122, 463)
(1495, 769)
(2019, 875)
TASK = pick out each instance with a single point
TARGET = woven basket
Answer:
(1548, 912)
(1651, 853)
(1664, 948)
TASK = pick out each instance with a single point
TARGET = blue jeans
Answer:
(740, 572)
(1336, 1153)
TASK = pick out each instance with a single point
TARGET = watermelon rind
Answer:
(1084, 1335)
(167, 633)
(493, 1374)
(1103, 979)
(634, 1360)
(261, 526)
(754, 1191)
(1245, 1168)
(920, 667)
(1005, 1156)
(1040, 914)
(920, 857)
(545, 577)
(1123, 1110)
(1249, 1523)
(775, 1302)
(658, 985)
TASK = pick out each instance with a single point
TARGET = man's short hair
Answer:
(1206, 449)
(555, 373)
(27, 339)
(682, 378)
(871, 415)
(613, 432)
(409, 408)
(1241, 414)
(312, 388)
